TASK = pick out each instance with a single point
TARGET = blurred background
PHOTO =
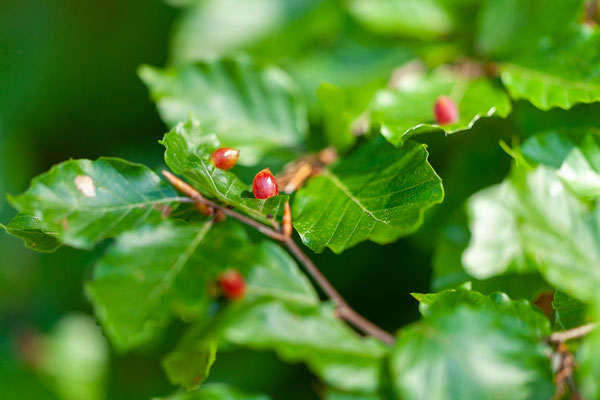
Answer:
(69, 89)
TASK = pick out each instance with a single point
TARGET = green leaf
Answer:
(559, 232)
(215, 391)
(560, 74)
(188, 149)
(499, 302)
(351, 396)
(270, 29)
(471, 354)
(336, 118)
(495, 246)
(576, 156)
(167, 269)
(421, 19)
(256, 110)
(313, 335)
(35, 234)
(189, 366)
(570, 312)
(378, 192)
(507, 27)
(589, 365)
(408, 109)
(87, 201)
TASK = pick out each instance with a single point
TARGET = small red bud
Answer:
(233, 284)
(265, 185)
(224, 157)
(445, 110)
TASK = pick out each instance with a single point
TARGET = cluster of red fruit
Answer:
(264, 184)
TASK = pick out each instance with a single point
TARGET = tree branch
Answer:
(344, 310)
(563, 336)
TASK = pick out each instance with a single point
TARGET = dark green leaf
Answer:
(378, 192)
(188, 149)
(313, 335)
(215, 391)
(471, 354)
(522, 310)
(189, 366)
(87, 201)
(570, 312)
(35, 234)
(253, 109)
(559, 74)
(407, 109)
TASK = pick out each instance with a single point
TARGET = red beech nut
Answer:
(224, 157)
(265, 185)
(233, 284)
(445, 110)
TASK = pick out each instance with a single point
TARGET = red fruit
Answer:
(445, 110)
(224, 157)
(265, 185)
(233, 284)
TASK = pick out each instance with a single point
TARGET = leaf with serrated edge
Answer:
(465, 353)
(408, 109)
(448, 299)
(313, 335)
(35, 233)
(87, 201)
(256, 110)
(378, 192)
(166, 269)
(187, 151)
(559, 75)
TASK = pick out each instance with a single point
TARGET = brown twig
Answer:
(563, 336)
(344, 310)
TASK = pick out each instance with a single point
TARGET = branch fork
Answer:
(283, 235)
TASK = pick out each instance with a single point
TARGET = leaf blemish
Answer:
(85, 185)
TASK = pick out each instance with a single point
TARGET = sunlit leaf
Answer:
(377, 193)
(169, 268)
(495, 246)
(188, 149)
(471, 354)
(253, 109)
(407, 109)
(422, 19)
(576, 156)
(86, 201)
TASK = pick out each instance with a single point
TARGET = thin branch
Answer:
(563, 336)
(344, 310)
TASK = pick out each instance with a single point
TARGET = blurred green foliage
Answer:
(68, 89)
